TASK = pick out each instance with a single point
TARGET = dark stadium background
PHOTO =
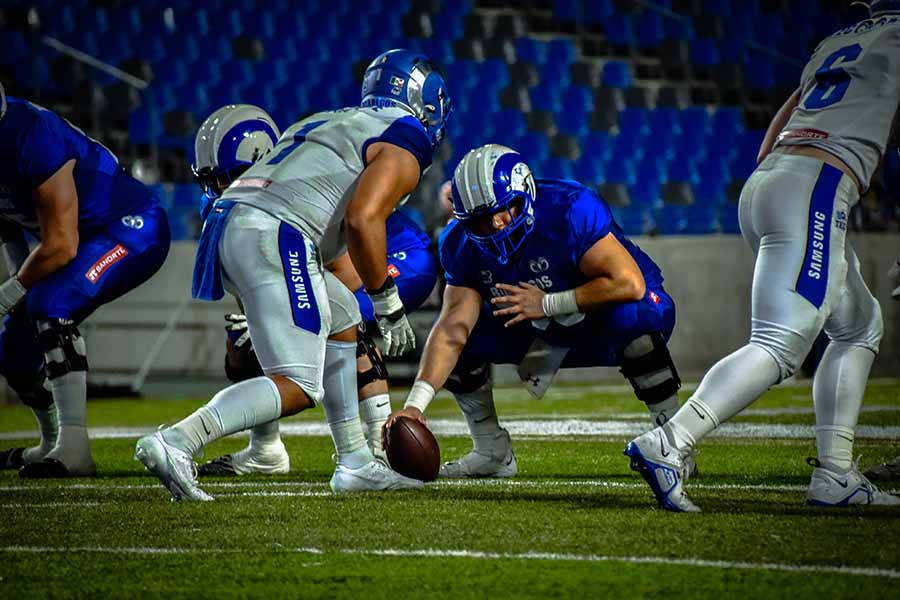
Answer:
(660, 104)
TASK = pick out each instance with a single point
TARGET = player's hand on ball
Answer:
(524, 301)
(411, 412)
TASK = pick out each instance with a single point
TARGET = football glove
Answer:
(391, 319)
(237, 330)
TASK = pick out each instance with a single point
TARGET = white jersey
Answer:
(850, 91)
(307, 179)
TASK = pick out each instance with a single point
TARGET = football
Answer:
(412, 449)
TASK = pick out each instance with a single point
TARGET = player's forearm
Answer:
(597, 293)
(442, 350)
(367, 245)
(47, 258)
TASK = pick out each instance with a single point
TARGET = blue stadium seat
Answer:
(556, 168)
(645, 192)
(705, 52)
(560, 51)
(617, 74)
(509, 125)
(739, 27)
(652, 168)
(634, 219)
(714, 171)
(620, 169)
(143, 125)
(727, 122)
(533, 146)
(748, 144)
(634, 121)
(546, 97)
(759, 74)
(568, 10)
(709, 192)
(589, 171)
(717, 7)
(597, 12)
(679, 29)
(572, 120)
(596, 145)
(531, 50)
(493, 74)
(694, 120)
(681, 169)
(619, 29)
(650, 31)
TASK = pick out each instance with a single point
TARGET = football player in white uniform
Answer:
(228, 142)
(817, 157)
(327, 187)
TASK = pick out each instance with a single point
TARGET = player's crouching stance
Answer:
(100, 234)
(333, 174)
(539, 275)
(831, 134)
(230, 140)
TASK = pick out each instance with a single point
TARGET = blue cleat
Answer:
(662, 467)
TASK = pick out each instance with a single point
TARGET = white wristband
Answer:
(11, 293)
(559, 303)
(420, 396)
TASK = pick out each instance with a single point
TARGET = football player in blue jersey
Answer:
(230, 140)
(539, 275)
(100, 233)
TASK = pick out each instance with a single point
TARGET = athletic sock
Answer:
(70, 398)
(838, 389)
(374, 411)
(729, 387)
(263, 436)
(341, 405)
(237, 407)
(481, 415)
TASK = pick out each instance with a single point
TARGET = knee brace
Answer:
(466, 381)
(648, 366)
(378, 371)
(63, 346)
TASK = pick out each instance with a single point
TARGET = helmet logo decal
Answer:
(518, 178)
(397, 85)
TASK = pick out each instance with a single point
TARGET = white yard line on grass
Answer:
(440, 483)
(537, 427)
(480, 555)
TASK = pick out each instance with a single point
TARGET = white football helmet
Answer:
(232, 138)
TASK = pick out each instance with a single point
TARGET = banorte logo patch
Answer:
(393, 271)
(109, 259)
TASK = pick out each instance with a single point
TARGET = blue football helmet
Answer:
(410, 81)
(229, 142)
(489, 180)
(883, 7)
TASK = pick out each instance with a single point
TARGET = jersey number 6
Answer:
(832, 82)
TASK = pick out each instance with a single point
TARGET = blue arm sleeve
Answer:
(407, 133)
(590, 220)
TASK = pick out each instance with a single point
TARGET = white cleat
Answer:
(271, 460)
(174, 467)
(663, 467)
(496, 461)
(374, 476)
(828, 488)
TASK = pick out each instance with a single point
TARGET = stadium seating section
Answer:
(661, 104)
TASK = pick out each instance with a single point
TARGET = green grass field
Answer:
(575, 522)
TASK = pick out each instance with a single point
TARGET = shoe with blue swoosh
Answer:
(829, 488)
(662, 467)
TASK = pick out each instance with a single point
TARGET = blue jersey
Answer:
(35, 143)
(403, 234)
(568, 220)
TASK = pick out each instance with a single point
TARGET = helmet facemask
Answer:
(502, 243)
